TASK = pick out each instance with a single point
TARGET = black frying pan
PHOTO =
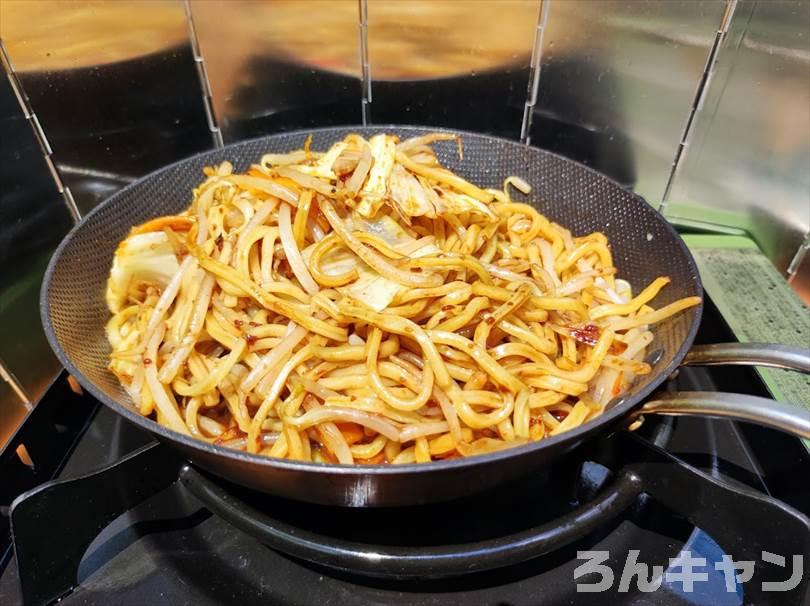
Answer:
(644, 246)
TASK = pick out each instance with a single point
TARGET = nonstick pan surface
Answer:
(644, 246)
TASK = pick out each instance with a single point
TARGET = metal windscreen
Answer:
(643, 244)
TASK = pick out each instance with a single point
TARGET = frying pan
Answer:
(644, 246)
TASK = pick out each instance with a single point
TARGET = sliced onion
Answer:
(275, 356)
(635, 367)
(449, 412)
(615, 297)
(257, 219)
(316, 389)
(424, 140)
(346, 162)
(202, 213)
(361, 171)
(510, 276)
(308, 181)
(163, 402)
(299, 268)
(295, 157)
(637, 345)
(167, 298)
(210, 426)
(547, 256)
(355, 339)
(267, 439)
(575, 285)
(419, 430)
(332, 437)
(346, 415)
(268, 186)
(200, 310)
(202, 226)
(135, 388)
(315, 230)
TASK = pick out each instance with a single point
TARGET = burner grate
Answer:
(48, 557)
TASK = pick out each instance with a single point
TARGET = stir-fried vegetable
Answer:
(366, 304)
(142, 259)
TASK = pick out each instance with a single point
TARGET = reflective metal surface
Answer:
(746, 164)
(202, 73)
(33, 219)
(280, 64)
(13, 408)
(790, 418)
(113, 84)
(799, 271)
(750, 354)
(455, 64)
(121, 88)
(627, 70)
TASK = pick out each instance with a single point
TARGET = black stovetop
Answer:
(171, 550)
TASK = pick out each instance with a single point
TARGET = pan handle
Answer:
(750, 354)
(790, 418)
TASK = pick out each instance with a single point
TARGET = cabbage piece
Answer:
(323, 167)
(385, 228)
(300, 160)
(372, 289)
(408, 196)
(456, 203)
(413, 196)
(374, 192)
(141, 258)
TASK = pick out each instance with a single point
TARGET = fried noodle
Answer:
(366, 305)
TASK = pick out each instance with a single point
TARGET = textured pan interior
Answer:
(643, 244)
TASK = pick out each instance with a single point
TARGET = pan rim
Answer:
(606, 419)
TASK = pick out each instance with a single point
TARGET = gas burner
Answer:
(149, 528)
(526, 526)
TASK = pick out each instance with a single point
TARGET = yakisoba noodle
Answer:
(366, 305)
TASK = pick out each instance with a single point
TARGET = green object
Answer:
(758, 304)
(715, 220)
